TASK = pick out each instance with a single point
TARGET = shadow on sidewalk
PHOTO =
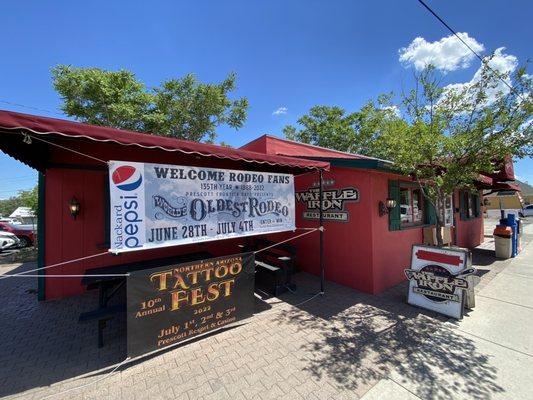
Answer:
(43, 343)
(363, 338)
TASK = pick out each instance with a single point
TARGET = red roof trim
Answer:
(321, 151)
(52, 126)
(320, 148)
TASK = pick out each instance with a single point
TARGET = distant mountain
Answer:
(525, 187)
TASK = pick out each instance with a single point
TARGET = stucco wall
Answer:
(391, 249)
(347, 245)
(468, 233)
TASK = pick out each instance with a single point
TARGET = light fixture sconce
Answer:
(74, 207)
(385, 208)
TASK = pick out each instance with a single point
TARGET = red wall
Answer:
(469, 233)
(347, 245)
(362, 254)
(391, 249)
(67, 238)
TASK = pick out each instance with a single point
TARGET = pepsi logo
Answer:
(127, 178)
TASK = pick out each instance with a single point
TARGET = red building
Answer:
(366, 247)
(72, 162)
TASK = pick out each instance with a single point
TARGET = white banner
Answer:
(157, 205)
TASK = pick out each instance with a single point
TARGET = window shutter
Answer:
(394, 214)
(431, 214)
(462, 205)
(477, 210)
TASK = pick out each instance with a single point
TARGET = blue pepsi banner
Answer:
(157, 205)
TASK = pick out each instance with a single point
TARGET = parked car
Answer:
(26, 236)
(12, 221)
(8, 241)
(527, 211)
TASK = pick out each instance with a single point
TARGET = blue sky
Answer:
(290, 55)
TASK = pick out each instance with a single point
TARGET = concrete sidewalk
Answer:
(499, 328)
(341, 346)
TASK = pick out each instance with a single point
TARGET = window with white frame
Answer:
(446, 211)
(411, 206)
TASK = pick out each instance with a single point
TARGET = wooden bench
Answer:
(269, 278)
(274, 267)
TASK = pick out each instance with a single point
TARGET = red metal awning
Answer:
(484, 182)
(504, 170)
(505, 186)
(13, 121)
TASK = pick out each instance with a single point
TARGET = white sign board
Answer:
(157, 205)
(437, 279)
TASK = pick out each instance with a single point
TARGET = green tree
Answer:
(30, 198)
(24, 198)
(443, 136)
(7, 206)
(362, 131)
(457, 132)
(225, 144)
(183, 108)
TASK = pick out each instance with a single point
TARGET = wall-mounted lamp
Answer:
(384, 208)
(74, 207)
(486, 202)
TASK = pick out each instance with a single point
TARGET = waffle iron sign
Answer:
(333, 203)
(438, 279)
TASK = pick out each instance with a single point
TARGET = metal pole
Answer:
(321, 221)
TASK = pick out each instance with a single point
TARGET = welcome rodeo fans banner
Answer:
(155, 205)
(439, 279)
(168, 305)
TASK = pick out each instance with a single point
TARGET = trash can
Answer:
(503, 241)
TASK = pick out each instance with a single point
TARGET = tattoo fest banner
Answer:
(168, 305)
(441, 280)
(156, 205)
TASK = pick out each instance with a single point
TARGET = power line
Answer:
(30, 107)
(19, 178)
(483, 61)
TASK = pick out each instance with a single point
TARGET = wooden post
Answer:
(321, 227)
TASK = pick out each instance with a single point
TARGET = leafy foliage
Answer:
(25, 198)
(364, 131)
(444, 137)
(454, 134)
(183, 108)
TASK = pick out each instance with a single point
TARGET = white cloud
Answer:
(393, 109)
(446, 54)
(280, 111)
(501, 63)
